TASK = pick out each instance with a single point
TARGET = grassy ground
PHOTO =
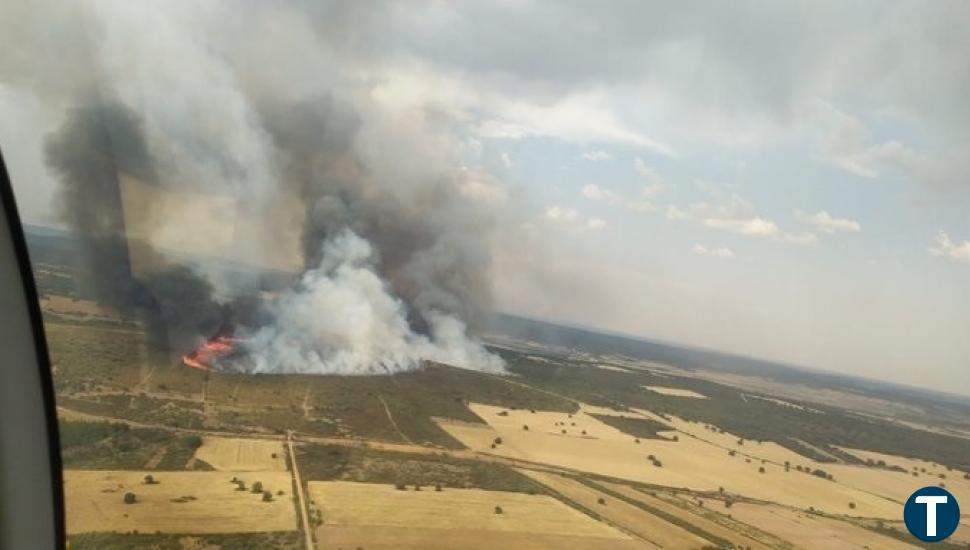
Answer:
(332, 462)
(106, 446)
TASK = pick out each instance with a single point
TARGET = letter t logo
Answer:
(931, 502)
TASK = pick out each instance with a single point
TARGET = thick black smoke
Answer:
(100, 140)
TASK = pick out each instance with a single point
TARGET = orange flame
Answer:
(205, 357)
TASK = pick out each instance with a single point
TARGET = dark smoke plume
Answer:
(100, 140)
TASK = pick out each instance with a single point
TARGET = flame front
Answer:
(209, 353)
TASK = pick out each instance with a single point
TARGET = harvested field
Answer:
(716, 528)
(181, 502)
(676, 392)
(700, 462)
(806, 530)
(379, 516)
(242, 454)
(656, 531)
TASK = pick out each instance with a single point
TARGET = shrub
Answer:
(601, 500)
(498, 509)
(258, 487)
(400, 487)
(852, 506)
(267, 496)
(761, 469)
(437, 487)
(150, 480)
(130, 498)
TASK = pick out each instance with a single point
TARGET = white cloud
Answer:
(675, 213)
(848, 144)
(655, 184)
(801, 238)
(559, 213)
(716, 252)
(596, 156)
(506, 160)
(595, 192)
(595, 223)
(948, 249)
(824, 222)
(734, 216)
(752, 226)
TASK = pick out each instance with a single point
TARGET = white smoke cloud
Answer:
(342, 319)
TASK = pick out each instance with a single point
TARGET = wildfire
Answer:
(209, 353)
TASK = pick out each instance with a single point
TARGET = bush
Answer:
(601, 500)
(761, 469)
(150, 480)
(498, 509)
(852, 506)
(258, 487)
(267, 496)
(400, 487)
(130, 498)
(437, 487)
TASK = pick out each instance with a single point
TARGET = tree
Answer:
(400, 486)
(267, 496)
(129, 498)
(257, 486)
(720, 490)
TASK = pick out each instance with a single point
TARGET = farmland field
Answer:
(242, 454)
(180, 502)
(381, 516)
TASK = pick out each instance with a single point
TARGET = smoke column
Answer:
(395, 254)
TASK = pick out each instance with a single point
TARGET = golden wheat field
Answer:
(242, 454)
(372, 515)
(180, 502)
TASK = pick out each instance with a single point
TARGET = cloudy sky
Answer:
(779, 179)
